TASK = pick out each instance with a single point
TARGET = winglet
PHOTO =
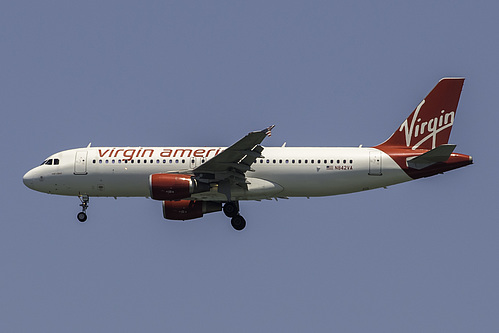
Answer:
(268, 130)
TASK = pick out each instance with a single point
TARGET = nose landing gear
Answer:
(231, 209)
(82, 216)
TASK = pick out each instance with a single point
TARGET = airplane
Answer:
(193, 181)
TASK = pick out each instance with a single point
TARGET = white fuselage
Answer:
(282, 172)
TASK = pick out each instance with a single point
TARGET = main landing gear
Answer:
(231, 209)
(82, 216)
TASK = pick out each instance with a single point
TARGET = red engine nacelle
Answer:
(169, 186)
(189, 209)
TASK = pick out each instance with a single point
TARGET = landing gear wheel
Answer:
(82, 216)
(238, 222)
(231, 209)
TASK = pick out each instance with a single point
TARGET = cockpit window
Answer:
(54, 161)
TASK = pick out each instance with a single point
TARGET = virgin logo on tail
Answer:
(430, 124)
(427, 129)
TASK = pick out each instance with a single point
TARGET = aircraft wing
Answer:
(234, 161)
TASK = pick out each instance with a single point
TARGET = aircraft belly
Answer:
(256, 189)
(129, 185)
(107, 185)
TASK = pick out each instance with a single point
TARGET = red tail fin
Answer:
(430, 124)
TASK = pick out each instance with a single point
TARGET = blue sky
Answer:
(420, 256)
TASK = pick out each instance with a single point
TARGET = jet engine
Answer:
(170, 186)
(189, 209)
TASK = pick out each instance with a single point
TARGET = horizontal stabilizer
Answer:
(439, 154)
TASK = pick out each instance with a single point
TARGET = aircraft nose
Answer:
(29, 179)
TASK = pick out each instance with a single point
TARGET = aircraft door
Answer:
(81, 162)
(195, 162)
(375, 163)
